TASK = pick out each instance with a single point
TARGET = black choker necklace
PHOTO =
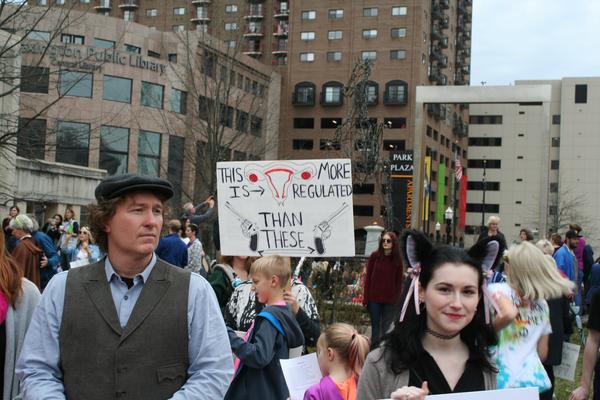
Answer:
(441, 336)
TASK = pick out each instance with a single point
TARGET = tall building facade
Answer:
(315, 44)
(103, 96)
(540, 164)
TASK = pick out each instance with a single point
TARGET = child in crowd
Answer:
(341, 352)
(274, 332)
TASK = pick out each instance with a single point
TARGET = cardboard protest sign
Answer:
(504, 394)
(290, 208)
(570, 354)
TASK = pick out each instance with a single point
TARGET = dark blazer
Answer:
(172, 250)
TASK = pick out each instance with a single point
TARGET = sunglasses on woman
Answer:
(386, 240)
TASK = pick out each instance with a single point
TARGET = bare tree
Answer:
(564, 209)
(227, 106)
(360, 138)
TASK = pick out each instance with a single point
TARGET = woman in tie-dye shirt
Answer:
(523, 334)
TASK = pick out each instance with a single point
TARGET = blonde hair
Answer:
(545, 246)
(273, 265)
(351, 346)
(532, 274)
(86, 229)
(493, 219)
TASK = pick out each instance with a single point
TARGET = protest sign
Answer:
(300, 373)
(570, 354)
(290, 208)
(504, 394)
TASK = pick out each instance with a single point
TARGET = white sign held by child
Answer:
(570, 354)
(291, 208)
(301, 373)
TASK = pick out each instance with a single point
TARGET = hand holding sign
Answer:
(411, 393)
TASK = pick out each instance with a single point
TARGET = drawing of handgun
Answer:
(249, 229)
(322, 231)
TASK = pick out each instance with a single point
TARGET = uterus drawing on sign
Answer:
(279, 177)
(322, 231)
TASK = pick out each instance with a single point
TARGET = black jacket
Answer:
(259, 374)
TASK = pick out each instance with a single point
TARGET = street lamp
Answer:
(449, 213)
(438, 227)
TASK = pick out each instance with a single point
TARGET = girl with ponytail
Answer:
(341, 352)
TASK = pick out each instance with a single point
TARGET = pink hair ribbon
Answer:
(413, 291)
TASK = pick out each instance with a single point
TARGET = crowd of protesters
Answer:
(129, 312)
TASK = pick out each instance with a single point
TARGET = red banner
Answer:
(462, 205)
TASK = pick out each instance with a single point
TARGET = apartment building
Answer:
(539, 164)
(314, 45)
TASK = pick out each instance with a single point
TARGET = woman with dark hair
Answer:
(440, 343)
(383, 283)
(18, 299)
(52, 228)
(525, 235)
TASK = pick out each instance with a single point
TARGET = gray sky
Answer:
(534, 39)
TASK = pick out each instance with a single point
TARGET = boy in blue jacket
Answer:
(274, 332)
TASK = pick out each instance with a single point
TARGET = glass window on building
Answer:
(34, 79)
(103, 43)
(398, 33)
(368, 55)
(114, 149)
(75, 83)
(334, 35)
(336, 14)
(307, 57)
(399, 11)
(148, 162)
(369, 33)
(72, 39)
(31, 138)
(72, 143)
(152, 95)
(178, 28)
(334, 56)
(256, 126)
(129, 15)
(115, 88)
(175, 166)
(151, 12)
(178, 101)
(309, 15)
(304, 94)
(231, 8)
(231, 26)
(332, 94)
(370, 12)
(397, 54)
(307, 36)
(179, 11)
(173, 58)
(132, 49)
(38, 35)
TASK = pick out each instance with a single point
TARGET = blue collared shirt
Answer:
(210, 363)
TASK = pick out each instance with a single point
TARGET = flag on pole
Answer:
(458, 170)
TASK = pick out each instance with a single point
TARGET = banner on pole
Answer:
(290, 208)
(401, 173)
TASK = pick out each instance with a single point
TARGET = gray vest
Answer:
(148, 359)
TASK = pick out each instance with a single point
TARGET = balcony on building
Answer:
(436, 34)
(433, 72)
(281, 30)
(443, 62)
(462, 7)
(280, 48)
(281, 11)
(255, 12)
(436, 12)
(129, 4)
(436, 53)
(103, 5)
(254, 31)
(444, 4)
(444, 42)
(445, 22)
(252, 48)
(200, 2)
(201, 16)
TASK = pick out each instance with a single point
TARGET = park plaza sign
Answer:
(89, 58)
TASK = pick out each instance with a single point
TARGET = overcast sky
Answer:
(534, 39)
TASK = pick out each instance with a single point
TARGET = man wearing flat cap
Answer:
(130, 326)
